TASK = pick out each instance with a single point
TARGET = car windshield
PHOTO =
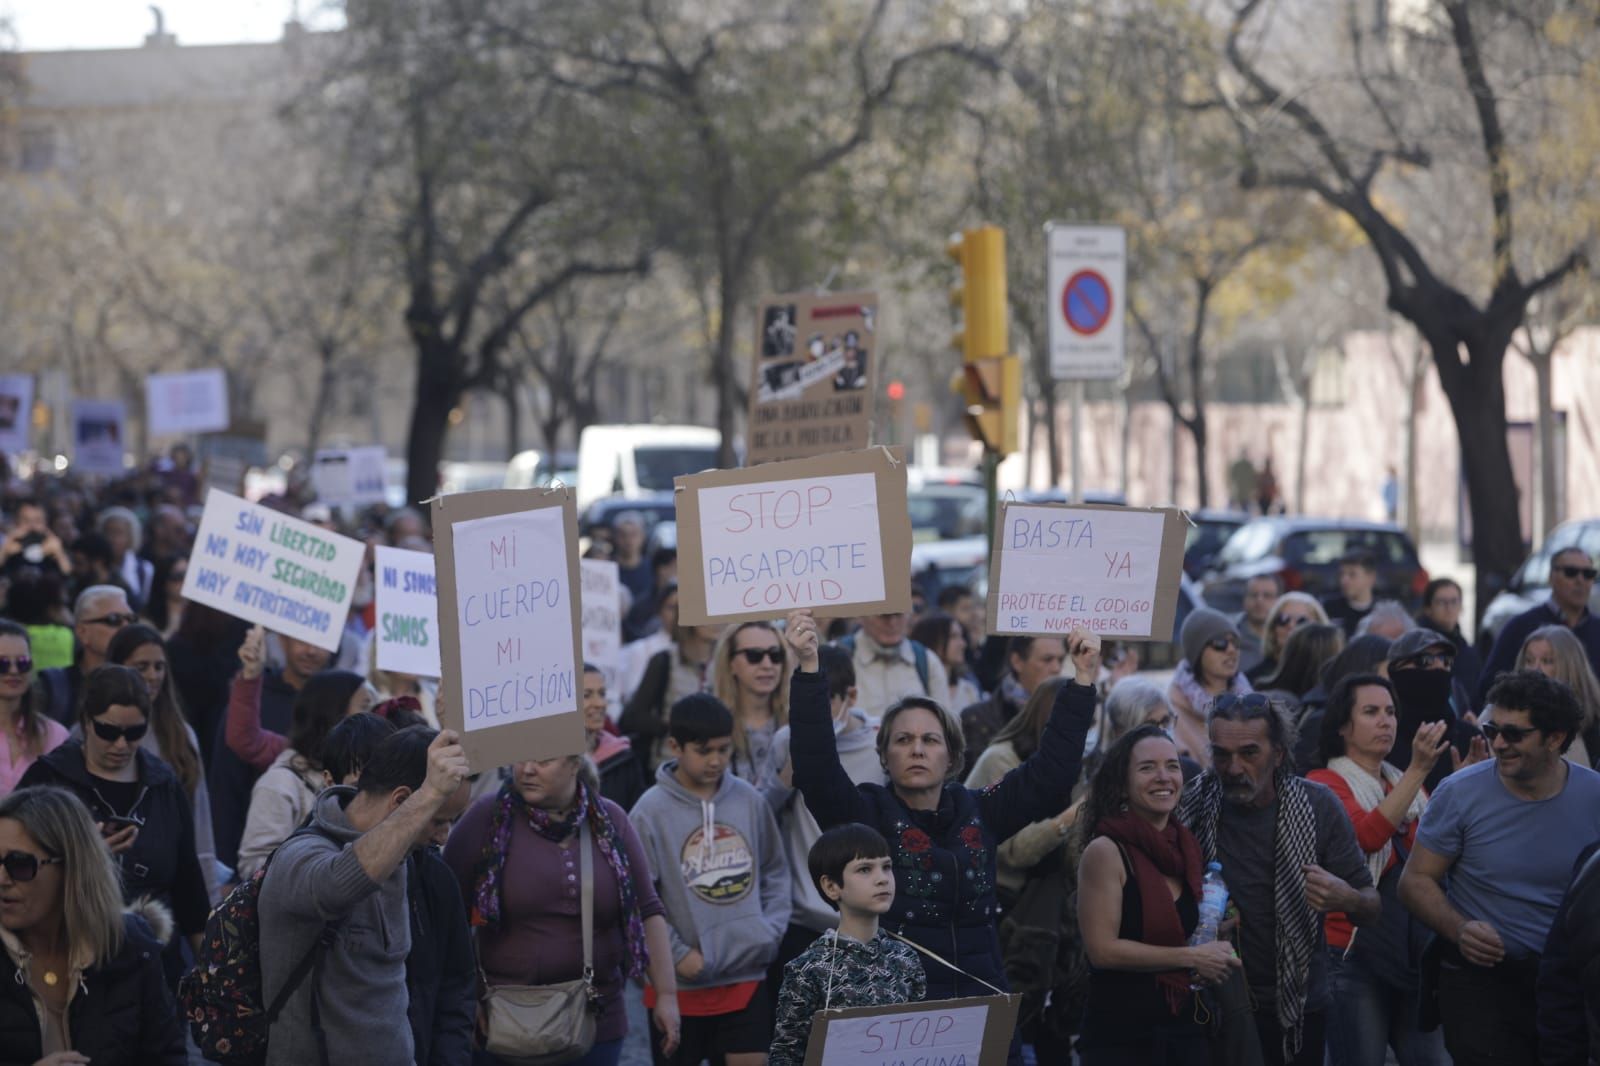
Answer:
(1252, 541)
(657, 466)
(1324, 547)
(951, 513)
(1207, 536)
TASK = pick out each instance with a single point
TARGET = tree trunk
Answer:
(1301, 504)
(1200, 432)
(513, 418)
(1127, 440)
(319, 406)
(438, 392)
(1050, 396)
(1548, 512)
(1413, 383)
(1477, 398)
(722, 373)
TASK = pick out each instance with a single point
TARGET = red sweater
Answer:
(1373, 831)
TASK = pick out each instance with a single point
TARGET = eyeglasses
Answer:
(22, 867)
(1572, 573)
(1226, 642)
(1513, 734)
(753, 656)
(1250, 701)
(21, 664)
(112, 733)
(115, 621)
(1291, 620)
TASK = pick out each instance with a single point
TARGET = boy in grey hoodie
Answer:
(856, 735)
(351, 871)
(719, 866)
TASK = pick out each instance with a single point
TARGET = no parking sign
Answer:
(1087, 275)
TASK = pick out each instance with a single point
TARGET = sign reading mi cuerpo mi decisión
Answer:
(273, 570)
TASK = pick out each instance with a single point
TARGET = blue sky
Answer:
(49, 25)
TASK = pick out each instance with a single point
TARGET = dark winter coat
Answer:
(944, 860)
(231, 778)
(1569, 972)
(441, 971)
(121, 1015)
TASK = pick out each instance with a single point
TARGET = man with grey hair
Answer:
(633, 566)
(98, 615)
(1572, 576)
(1289, 856)
(1387, 619)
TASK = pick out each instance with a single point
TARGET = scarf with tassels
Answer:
(487, 887)
(1156, 854)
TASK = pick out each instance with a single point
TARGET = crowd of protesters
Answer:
(789, 816)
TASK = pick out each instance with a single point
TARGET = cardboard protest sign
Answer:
(948, 1032)
(99, 428)
(276, 571)
(602, 626)
(509, 623)
(831, 533)
(408, 612)
(1114, 571)
(194, 401)
(349, 477)
(811, 391)
(16, 412)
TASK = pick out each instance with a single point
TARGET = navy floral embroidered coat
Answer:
(944, 860)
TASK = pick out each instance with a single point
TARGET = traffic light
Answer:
(991, 381)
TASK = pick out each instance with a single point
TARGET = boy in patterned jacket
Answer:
(857, 965)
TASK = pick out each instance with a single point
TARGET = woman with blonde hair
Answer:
(1556, 653)
(1293, 610)
(80, 978)
(750, 673)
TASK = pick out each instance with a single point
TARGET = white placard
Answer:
(1103, 569)
(787, 544)
(515, 618)
(349, 477)
(949, 1036)
(408, 612)
(193, 401)
(16, 412)
(276, 571)
(99, 430)
(1086, 277)
(602, 626)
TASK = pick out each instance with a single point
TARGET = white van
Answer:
(638, 460)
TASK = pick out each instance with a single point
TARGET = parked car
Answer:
(1305, 553)
(535, 468)
(937, 565)
(1530, 585)
(471, 477)
(634, 461)
(946, 511)
(1104, 497)
(655, 508)
(1208, 531)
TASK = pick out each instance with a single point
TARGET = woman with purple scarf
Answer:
(515, 854)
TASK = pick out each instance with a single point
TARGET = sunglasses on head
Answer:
(22, 867)
(116, 621)
(753, 656)
(1249, 701)
(21, 664)
(1226, 642)
(111, 733)
(1588, 573)
(1513, 734)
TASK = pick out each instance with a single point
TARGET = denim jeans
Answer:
(1367, 1016)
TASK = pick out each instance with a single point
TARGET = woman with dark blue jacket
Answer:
(943, 836)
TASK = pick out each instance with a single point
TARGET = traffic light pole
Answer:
(991, 485)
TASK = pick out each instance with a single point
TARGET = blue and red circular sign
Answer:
(1086, 302)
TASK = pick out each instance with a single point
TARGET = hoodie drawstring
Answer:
(708, 832)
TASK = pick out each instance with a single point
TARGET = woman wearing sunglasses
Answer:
(1292, 611)
(79, 976)
(1210, 668)
(750, 673)
(25, 734)
(138, 803)
(1554, 652)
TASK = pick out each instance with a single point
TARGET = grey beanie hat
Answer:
(1202, 627)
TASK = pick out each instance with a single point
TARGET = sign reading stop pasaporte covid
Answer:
(272, 570)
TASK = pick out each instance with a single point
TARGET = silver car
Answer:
(1530, 585)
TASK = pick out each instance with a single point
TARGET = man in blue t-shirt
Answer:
(1506, 833)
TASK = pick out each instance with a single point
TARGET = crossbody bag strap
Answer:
(586, 875)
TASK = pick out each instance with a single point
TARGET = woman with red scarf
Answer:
(1138, 903)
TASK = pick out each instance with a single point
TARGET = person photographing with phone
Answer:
(139, 805)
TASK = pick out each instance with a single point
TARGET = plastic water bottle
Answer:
(1213, 904)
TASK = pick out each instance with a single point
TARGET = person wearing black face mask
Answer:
(1420, 668)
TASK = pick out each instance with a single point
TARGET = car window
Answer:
(1254, 540)
(1324, 547)
(657, 466)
